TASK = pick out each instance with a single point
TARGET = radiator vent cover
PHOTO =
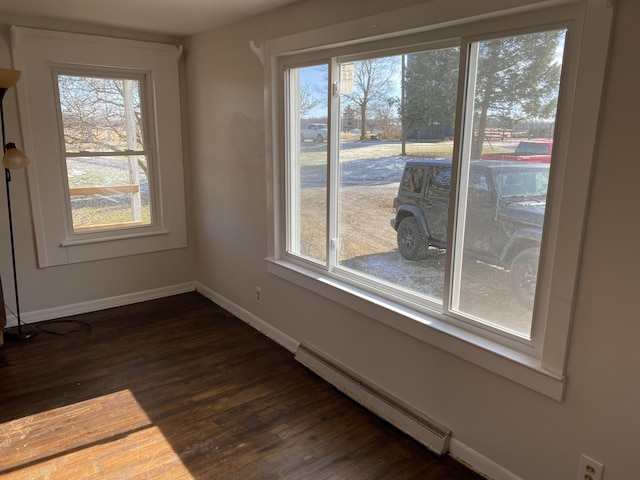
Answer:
(415, 424)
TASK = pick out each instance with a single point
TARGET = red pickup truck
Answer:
(526, 151)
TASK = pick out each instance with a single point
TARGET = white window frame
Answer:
(39, 54)
(144, 82)
(541, 368)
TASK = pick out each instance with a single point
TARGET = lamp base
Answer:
(19, 333)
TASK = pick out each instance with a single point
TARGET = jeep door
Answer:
(483, 236)
(436, 205)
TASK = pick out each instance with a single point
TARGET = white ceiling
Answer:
(171, 17)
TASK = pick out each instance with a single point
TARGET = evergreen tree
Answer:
(431, 83)
(517, 79)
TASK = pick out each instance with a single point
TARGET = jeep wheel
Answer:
(524, 275)
(411, 242)
(301, 138)
(319, 139)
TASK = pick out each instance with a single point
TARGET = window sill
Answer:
(113, 236)
(517, 366)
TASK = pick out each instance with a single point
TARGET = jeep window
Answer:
(478, 182)
(479, 188)
(413, 179)
(522, 184)
(440, 182)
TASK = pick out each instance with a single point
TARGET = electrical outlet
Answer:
(589, 469)
(258, 295)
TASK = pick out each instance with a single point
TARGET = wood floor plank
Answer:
(177, 388)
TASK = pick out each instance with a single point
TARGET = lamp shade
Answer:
(14, 158)
(8, 78)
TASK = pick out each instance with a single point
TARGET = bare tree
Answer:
(387, 120)
(93, 111)
(373, 80)
(308, 101)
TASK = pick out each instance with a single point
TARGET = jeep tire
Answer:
(524, 275)
(411, 241)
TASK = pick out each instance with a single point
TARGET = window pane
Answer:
(308, 161)
(108, 192)
(385, 122)
(100, 114)
(504, 178)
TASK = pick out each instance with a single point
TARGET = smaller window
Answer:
(106, 162)
(102, 121)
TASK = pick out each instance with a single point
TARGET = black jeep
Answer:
(503, 225)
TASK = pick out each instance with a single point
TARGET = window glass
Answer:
(308, 162)
(515, 81)
(101, 120)
(394, 108)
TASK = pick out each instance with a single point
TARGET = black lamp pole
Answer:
(12, 333)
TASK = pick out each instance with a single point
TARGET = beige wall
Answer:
(526, 433)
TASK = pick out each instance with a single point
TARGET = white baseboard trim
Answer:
(425, 430)
(478, 462)
(100, 304)
(249, 318)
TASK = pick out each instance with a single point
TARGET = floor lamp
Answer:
(12, 159)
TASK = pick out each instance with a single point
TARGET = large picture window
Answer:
(446, 196)
(387, 221)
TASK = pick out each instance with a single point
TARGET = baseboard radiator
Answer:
(423, 429)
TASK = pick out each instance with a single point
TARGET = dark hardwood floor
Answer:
(178, 388)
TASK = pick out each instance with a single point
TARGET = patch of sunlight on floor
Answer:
(109, 436)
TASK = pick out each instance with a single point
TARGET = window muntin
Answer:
(478, 289)
(102, 123)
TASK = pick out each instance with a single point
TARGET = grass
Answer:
(101, 210)
(97, 214)
(376, 149)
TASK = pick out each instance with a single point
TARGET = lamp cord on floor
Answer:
(82, 326)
